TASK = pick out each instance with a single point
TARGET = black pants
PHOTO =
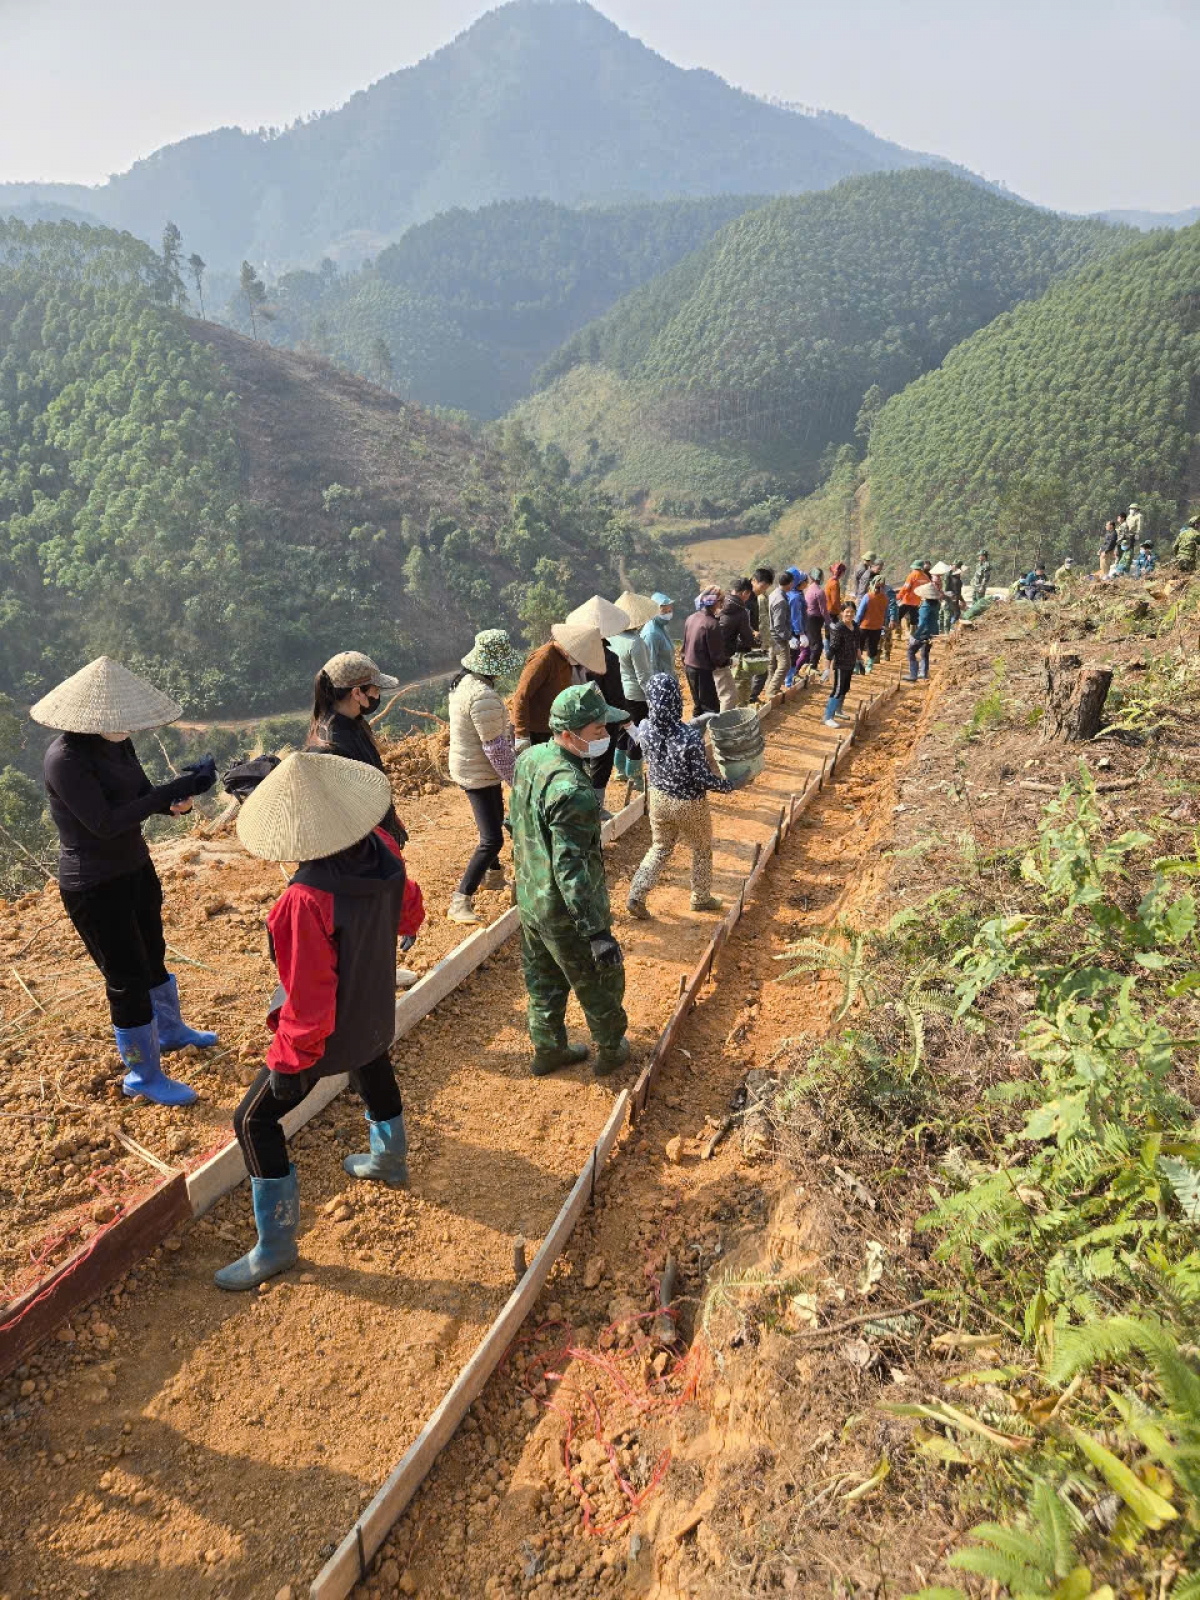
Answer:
(704, 690)
(256, 1121)
(120, 922)
(870, 641)
(910, 614)
(487, 806)
(814, 627)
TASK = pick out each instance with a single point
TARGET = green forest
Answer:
(730, 375)
(189, 504)
(1053, 418)
(463, 310)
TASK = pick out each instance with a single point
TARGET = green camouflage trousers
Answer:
(556, 963)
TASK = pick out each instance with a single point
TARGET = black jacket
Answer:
(736, 627)
(843, 651)
(98, 797)
(351, 737)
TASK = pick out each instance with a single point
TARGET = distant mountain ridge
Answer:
(551, 101)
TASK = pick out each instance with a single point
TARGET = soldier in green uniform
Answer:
(562, 898)
(1187, 544)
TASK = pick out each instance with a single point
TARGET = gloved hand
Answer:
(289, 1088)
(701, 719)
(606, 952)
(181, 788)
(408, 941)
(521, 744)
(794, 643)
(204, 772)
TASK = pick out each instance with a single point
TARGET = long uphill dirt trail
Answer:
(583, 1461)
(172, 1440)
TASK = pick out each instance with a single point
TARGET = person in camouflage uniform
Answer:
(562, 898)
(1187, 544)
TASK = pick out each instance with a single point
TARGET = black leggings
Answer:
(256, 1121)
(870, 638)
(120, 922)
(487, 806)
(814, 627)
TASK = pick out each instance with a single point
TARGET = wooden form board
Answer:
(225, 1170)
(347, 1566)
(90, 1270)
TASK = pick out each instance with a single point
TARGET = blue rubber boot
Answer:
(173, 1031)
(277, 1217)
(145, 1077)
(388, 1158)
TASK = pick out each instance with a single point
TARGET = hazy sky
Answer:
(1078, 104)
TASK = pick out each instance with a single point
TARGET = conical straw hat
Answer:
(105, 697)
(600, 613)
(639, 608)
(313, 805)
(583, 642)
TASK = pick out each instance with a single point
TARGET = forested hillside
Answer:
(1054, 417)
(463, 309)
(733, 372)
(224, 516)
(536, 98)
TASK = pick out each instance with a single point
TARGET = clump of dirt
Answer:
(419, 764)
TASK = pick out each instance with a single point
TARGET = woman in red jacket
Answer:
(333, 936)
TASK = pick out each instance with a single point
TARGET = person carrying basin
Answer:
(98, 797)
(737, 631)
(567, 941)
(656, 636)
(333, 936)
(481, 761)
(679, 779)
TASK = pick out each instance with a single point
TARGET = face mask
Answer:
(593, 749)
(665, 616)
(373, 702)
(115, 738)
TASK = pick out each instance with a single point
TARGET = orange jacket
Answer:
(907, 594)
(833, 595)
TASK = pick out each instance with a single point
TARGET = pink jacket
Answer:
(815, 603)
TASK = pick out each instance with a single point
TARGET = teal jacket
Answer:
(555, 816)
(636, 672)
(927, 621)
(661, 648)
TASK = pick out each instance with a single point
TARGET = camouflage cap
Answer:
(582, 703)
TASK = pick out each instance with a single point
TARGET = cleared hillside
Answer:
(740, 366)
(224, 516)
(1054, 417)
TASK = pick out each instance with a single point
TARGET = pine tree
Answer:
(197, 266)
(254, 293)
(172, 247)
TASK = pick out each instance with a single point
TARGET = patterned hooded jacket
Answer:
(675, 760)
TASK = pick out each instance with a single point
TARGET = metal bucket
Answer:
(738, 745)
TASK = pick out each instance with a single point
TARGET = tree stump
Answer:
(1074, 697)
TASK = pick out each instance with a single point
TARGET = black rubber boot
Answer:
(609, 1060)
(563, 1055)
